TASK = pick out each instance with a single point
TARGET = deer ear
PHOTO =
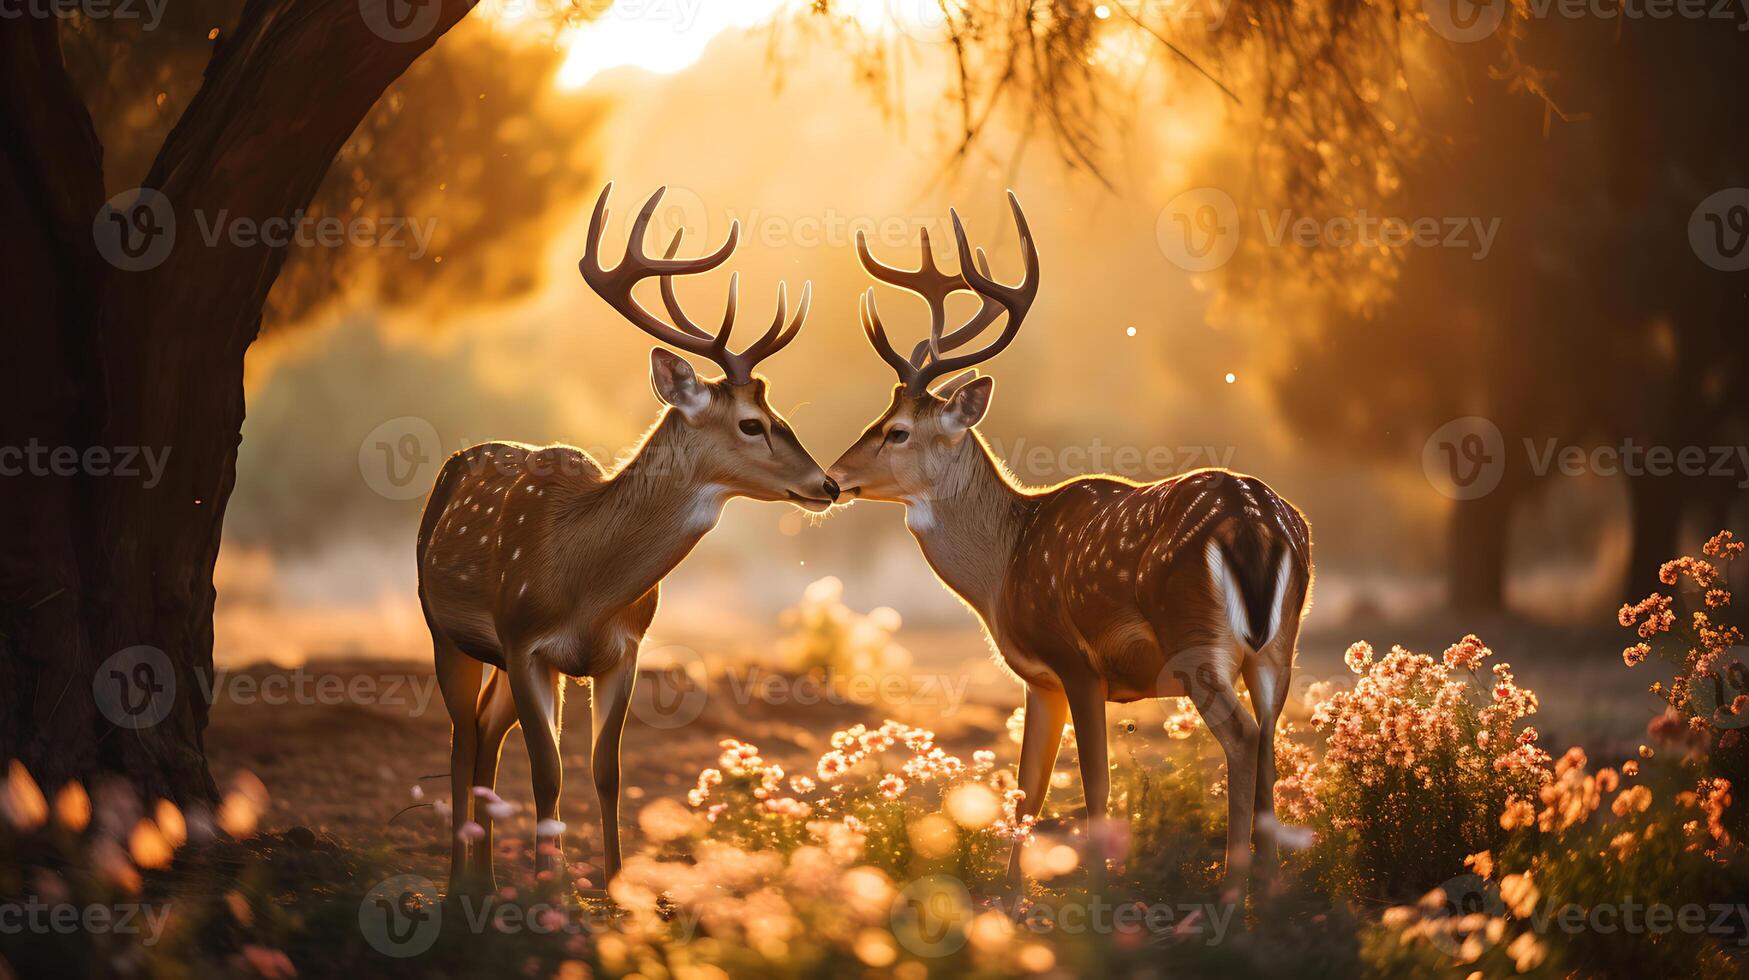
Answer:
(951, 385)
(967, 405)
(677, 384)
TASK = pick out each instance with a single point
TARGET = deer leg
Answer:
(1046, 710)
(1086, 697)
(458, 678)
(497, 716)
(1236, 730)
(539, 695)
(611, 695)
(1266, 677)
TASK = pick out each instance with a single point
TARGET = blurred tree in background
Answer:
(1591, 139)
(271, 109)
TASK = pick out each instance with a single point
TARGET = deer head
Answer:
(742, 443)
(908, 451)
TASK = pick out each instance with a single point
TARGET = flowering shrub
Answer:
(886, 796)
(1570, 885)
(1569, 889)
(1420, 759)
(82, 872)
(1423, 780)
(786, 869)
(830, 637)
(1708, 692)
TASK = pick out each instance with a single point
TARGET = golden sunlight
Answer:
(668, 36)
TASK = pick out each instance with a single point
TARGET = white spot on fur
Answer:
(707, 506)
(1281, 577)
(1226, 589)
(919, 515)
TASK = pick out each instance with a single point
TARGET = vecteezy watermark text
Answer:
(35, 916)
(402, 917)
(1043, 462)
(136, 688)
(310, 231)
(1466, 459)
(136, 229)
(1466, 21)
(150, 13)
(1200, 229)
(35, 459)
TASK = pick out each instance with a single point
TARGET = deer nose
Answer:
(831, 488)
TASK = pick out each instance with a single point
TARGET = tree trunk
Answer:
(1655, 522)
(106, 590)
(1476, 552)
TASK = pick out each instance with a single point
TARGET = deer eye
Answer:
(751, 427)
(898, 436)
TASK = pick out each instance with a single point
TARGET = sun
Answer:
(663, 38)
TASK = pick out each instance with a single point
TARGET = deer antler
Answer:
(927, 362)
(615, 286)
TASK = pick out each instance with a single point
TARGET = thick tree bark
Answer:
(1655, 506)
(92, 564)
(1477, 551)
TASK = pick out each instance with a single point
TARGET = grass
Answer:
(1446, 838)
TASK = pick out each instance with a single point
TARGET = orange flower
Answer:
(1721, 545)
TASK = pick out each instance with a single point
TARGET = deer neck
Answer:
(968, 523)
(652, 511)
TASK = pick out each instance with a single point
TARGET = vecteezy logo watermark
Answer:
(135, 229)
(399, 458)
(400, 21)
(674, 688)
(1714, 696)
(135, 688)
(930, 915)
(401, 916)
(682, 211)
(1200, 229)
(86, 10)
(1718, 230)
(920, 20)
(35, 916)
(35, 459)
(1460, 898)
(1465, 458)
(1464, 21)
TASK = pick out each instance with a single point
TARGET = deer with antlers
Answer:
(1097, 589)
(537, 563)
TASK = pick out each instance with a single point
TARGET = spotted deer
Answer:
(1097, 589)
(538, 563)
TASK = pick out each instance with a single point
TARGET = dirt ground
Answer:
(345, 746)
